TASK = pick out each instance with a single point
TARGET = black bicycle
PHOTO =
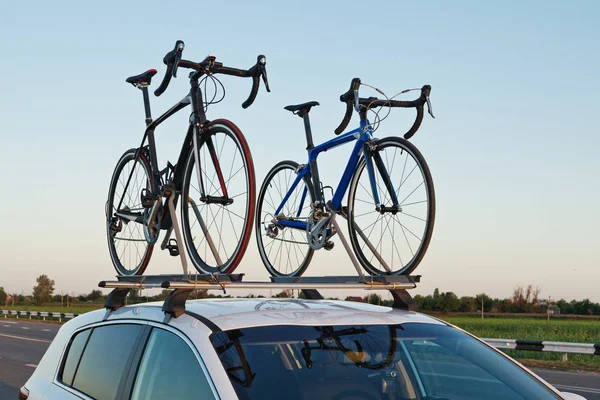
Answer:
(214, 175)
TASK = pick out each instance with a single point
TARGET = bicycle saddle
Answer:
(143, 78)
(301, 108)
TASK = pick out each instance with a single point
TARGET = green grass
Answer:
(564, 330)
(79, 309)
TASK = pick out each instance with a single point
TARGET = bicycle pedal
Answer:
(147, 198)
(173, 248)
(329, 245)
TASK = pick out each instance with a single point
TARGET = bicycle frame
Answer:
(190, 143)
(363, 137)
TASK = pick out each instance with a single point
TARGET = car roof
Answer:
(236, 313)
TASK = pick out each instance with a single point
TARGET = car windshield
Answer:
(369, 362)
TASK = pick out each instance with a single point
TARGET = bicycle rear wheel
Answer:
(399, 239)
(217, 221)
(284, 251)
(129, 250)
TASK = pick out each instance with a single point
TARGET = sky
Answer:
(513, 149)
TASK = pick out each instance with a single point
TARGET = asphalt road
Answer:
(23, 343)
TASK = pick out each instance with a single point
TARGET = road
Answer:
(23, 343)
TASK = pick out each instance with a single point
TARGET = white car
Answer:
(275, 349)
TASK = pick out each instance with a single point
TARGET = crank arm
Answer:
(130, 216)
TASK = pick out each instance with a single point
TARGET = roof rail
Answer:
(184, 285)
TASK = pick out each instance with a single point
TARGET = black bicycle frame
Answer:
(198, 122)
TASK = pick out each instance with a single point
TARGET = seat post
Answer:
(144, 89)
(309, 139)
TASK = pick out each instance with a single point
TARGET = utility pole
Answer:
(482, 306)
(548, 308)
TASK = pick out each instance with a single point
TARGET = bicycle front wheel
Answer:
(129, 250)
(387, 242)
(219, 199)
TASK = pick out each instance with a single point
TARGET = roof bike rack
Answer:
(184, 285)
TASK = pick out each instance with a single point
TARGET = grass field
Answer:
(563, 330)
(79, 309)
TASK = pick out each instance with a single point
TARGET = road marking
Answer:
(577, 389)
(46, 330)
(10, 322)
(31, 365)
(25, 338)
(24, 327)
(6, 326)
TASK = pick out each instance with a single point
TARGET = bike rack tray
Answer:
(184, 285)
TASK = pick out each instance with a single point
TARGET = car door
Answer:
(170, 367)
(98, 361)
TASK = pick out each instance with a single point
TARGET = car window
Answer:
(369, 362)
(170, 370)
(73, 357)
(440, 371)
(104, 360)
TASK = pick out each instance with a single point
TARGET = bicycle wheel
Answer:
(129, 250)
(217, 225)
(399, 239)
(284, 251)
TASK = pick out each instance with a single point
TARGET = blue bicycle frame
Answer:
(363, 137)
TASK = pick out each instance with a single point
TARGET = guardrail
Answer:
(555, 347)
(42, 314)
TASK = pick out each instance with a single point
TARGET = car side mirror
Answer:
(571, 396)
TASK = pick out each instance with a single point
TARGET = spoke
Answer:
(231, 212)
(405, 179)
(410, 215)
(363, 214)
(407, 242)
(402, 176)
(233, 226)
(416, 202)
(238, 195)
(364, 201)
(412, 192)
(369, 192)
(129, 240)
(411, 232)
(235, 173)
(372, 228)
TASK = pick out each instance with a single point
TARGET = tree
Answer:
(488, 303)
(3, 296)
(373, 298)
(448, 302)
(42, 292)
(199, 294)
(95, 295)
(285, 294)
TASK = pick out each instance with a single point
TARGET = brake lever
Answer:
(262, 70)
(176, 63)
(429, 109)
(265, 80)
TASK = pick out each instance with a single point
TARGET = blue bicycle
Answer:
(391, 201)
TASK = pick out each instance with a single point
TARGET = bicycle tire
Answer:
(364, 255)
(144, 257)
(206, 261)
(262, 213)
